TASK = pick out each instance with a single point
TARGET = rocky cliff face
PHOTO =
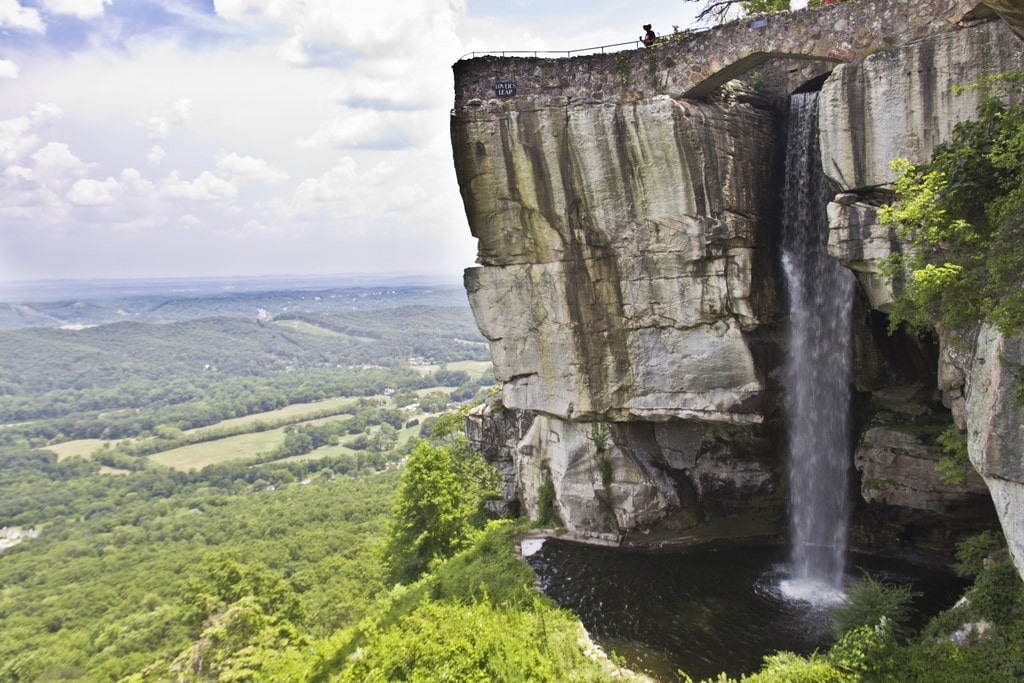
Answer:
(628, 284)
(901, 103)
(621, 245)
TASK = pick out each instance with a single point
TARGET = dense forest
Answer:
(119, 380)
(315, 555)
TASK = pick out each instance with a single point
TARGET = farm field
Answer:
(199, 455)
(80, 448)
(472, 367)
(292, 413)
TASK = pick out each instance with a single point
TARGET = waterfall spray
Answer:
(817, 370)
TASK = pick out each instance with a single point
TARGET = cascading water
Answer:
(817, 369)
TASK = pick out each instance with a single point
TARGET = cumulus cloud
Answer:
(13, 15)
(89, 192)
(249, 168)
(16, 138)
(363, 128)
(19, 136)
(8, 69)
(311, 118)
(207, 187)
(44, 112)
(159, 125)
(156, 154)
(82, 9)
(333, 185)
(17, 174)
(134, 181)
(56, 166)
(413, 28)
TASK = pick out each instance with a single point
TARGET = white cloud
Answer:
(207, 187)
(159, 125)
(414, 29)
(292, 51)
(89, 192)
(83, 9)
(8, 69)
(13, 15)
(249, 168)
(17, 174)
(375, 82)
(56, 165)
(18, 136)
(242, 9)
(368, 128)
(44, 112)
(134, 181)
(156, 154)
(334, 185)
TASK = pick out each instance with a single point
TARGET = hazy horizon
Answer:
(205, 285)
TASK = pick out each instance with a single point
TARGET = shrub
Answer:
(972, 552)
(870, 601)
(547, 514)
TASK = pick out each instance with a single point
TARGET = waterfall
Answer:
(817, 369)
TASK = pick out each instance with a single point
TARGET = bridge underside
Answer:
(741, 66)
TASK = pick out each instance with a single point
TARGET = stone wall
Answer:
(691, 65)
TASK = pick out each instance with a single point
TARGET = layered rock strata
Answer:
(901, 103)
(628, 285)
(621, 244)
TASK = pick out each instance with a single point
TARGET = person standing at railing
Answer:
(649, 38)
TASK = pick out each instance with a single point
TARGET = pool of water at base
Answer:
(708, 612)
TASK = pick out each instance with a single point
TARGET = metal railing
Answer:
(536, 53)
(599, 49)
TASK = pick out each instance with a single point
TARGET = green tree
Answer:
(430, 516)
(725, 10)
(962, 213)
(235, 646)
(480, 479)
(223, 580)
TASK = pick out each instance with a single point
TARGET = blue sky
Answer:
(247, 137)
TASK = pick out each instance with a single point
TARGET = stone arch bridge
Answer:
(810, 41)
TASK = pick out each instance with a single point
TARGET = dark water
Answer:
(702, 613)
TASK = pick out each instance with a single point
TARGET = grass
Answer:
(81, 448)
(322, 452)
(289, 412)
(199, 455)
(475, 368)
(454, 624)
(302, 326)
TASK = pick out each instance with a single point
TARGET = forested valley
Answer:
(222, 498)
(292, 498)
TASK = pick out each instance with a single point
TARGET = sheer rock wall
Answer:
(621, 244)
(629, 287)
(900, 103)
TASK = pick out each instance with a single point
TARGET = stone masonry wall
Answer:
(690, 65)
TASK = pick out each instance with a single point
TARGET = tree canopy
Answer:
(962, 213)
(726, 10)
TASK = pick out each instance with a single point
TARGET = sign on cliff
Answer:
(505, 89)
